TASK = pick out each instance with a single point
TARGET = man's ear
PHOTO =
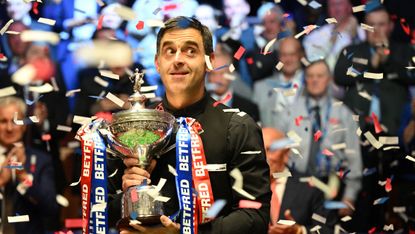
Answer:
(212, 60)
(156, 63)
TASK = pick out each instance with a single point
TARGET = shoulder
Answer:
(41, 156)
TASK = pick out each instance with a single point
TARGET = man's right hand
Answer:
(135, 175)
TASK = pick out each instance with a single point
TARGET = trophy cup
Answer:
(143, 134)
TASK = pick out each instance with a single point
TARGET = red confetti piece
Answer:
(372, 230)
(386, 51)
(286, 15)
(295, 86)
(170, 7)
(405, 26)
(334, 121)
(298, 120)
(388, 185)
(73, 223)
(327, 152)
(239, 53)
(317, 135)
(250, 60)
(249, 204)
(1, 56)
(34, 8)
(46, 137)
(375, 119)
(101, 18)
(139, 25)
(224, 100)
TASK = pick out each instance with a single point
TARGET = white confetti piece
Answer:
(149, 95)
(99, 207)
(339, 146)
(358, 131)
(279, 65)
(367, 27)
(6, 26)
(81, 119)
(241, 114)
(229, 76)
(148, 88)
(24, 75)
(216, 167)
(63, 128)
(351, 72)
(399, 209)
(75, 183)
(331, 20)
(243, 193)
(231, 68)
(16, 120)
(172, 170)
(47, 21)
(315, 229)
(389, 140)
(294, 136)
(216, 207)
(251, 152)
(162, 198)
(208, 63)
(135, 222)
(315, 5)
(307, 30)
(321, 186)
(101, 82)
(61, 200)
(12, 32)
(365, 95)
(34, 119)
(72, 92)
(284, 174)
(410, 158)
(237, 175)
(113, 174)
(109, 74)
(8, 91)
(286, 222)
(268, 46)
(355, 118)
(73, 144)
(372, 140)
(155, 23)
(45, 88)
(338, 103)
(391, 148)
(160, 184)
(346, 218)
(125, 13)
(319, 218)
(362, 61)
(231, 110)
(302, 2)
(358, 8)
(388, 227)
(115, 99)
(305, 62)
(42, 36)
(18, 219)
(295, 151)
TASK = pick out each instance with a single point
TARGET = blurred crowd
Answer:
(330, 81)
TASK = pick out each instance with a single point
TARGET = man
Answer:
(328, 143)
(293, 199)
(28, 191)
(272, 103)
(181, 48)
(227, 87)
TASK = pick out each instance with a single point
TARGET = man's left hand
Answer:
(285, 229)
(169, 227)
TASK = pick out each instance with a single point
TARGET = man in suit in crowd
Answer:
(292, 199)
(28, 190)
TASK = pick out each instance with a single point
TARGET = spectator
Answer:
(272, 104)
(222, 87)
(293, 199)
(316, 120)
(29, 191)
(208, 16)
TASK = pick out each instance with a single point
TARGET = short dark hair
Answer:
(322, 61)
(182, 22)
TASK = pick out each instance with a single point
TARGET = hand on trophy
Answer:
(135, 175)
(169, 227)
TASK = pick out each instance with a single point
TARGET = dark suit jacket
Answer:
(303, 201)
(392, 89)
(39, 201)
(245, 105)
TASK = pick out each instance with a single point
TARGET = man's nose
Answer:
(10, 125)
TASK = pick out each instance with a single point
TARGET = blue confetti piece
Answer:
(96, 97)
(29, 102)
(334, 205)
(283, 34)
(372, 5)
(221, 67)
(345, 173)
(281, 144)
(133, 215)
(369, 171)
(349, 56)
(215, 208)
(380, 201)
(183, 23)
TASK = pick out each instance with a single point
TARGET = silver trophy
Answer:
(140, 133)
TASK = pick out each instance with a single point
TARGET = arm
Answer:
(245, 135)
(340, 70)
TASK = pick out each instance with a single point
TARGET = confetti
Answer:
(216, 207)
(346, 218)
(231, 110)
(317, 135)
(50, 22)
(117, 101)
(81, 119)
(370, 75)
(75, 183)
(388, 185)
(305, 62)
(100, 20)
(208, 63)
(18, 219)
(100, 3)
(334, 205)
(327, 152)
(162, 198)
(389, 140)
(99, 207)
(380, 201)
(113, 174)
(391, 148)
(71, 93)
(378, 128)
(229, 76)
(6, 26)
(172, 170)
(388, 227)
(8, 91)
(302, 2)
(239, 53)
(251, 152)
(362, 61)
(365, 95)
(298, 120)
(24, 75)
(157, 10)
(294, 136)
(279, 65)
(34, 119)
(155, 23)
(125, 13)
(359, 8)
(101, 82)
(315, 229)
(109, 74)
(369, 171)
(286, 222)
(399, 209)
(284, 174)
(372, 140)
(248, 204)
(216, 167)
(40, 36)
(268, 46)
(339, 146)
(331, 21)
(367, 27)
(315, 5)
(318, 218)
(410, 158)
(149, 95)
(284, 143)
(139, 25)
(238, 184)
(45, 88)
(61, 200)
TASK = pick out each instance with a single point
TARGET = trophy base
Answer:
(153, 220)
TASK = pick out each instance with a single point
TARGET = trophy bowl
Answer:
(142, 134)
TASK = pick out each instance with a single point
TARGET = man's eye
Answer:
(191, 51)
(169, 51)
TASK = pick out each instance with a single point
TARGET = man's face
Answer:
(382, 27)
(317, 79)
(276, 159)
(17, 46)
(17, 9)
(234, 8)
(181, 61)
(218, 77)
(10, 132)
(290, 55)
(271, 24)
(339, 9)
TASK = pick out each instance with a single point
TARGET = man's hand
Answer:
(17, 153)
(169, 227)
(285, 229)
(346, 211)
(135, 175)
